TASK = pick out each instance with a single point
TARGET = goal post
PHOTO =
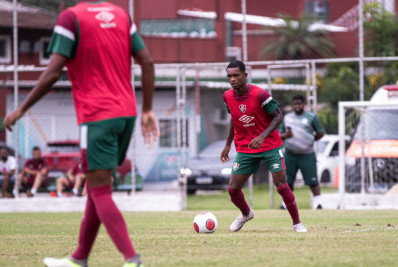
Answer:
(367, 163)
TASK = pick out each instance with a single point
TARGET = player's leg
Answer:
(39, 179)
(307, 164)
(276, 164)
(6, 183)
(61, 182)
(291, 172)
(244, 165)
(78, 183)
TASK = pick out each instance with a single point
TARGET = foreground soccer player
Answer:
(255, 116)
(96, 41)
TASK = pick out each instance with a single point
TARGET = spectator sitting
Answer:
(74, 179)
(7, 171)
(33, 175)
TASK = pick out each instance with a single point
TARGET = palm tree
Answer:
(296, 41)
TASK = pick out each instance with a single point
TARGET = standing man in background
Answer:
(255, 117)
(96, 41)
(299, 130)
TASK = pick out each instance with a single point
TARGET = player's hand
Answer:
(149, 126)
(256, 142)
(12, 118)
(224, 154)
(289, 132)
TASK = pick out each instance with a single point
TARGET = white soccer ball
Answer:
(205, 222)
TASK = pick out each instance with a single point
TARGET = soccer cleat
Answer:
(240, 221)
(319, 207)
(65, 262)
(133, 264)
(299, 228)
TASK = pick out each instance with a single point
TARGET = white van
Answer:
(380, 144)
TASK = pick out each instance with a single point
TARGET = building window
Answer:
(44, 55)
(168, 133)
(178, 28)
(320, 9)
(5, 49)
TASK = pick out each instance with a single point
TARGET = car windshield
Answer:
(321, 146)
(214, 150)
(382, 125)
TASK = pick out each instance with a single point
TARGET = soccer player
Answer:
(7, 171)
(33, 175)
(73, 179)
(299, 130)
(96, 40)
(255, 116)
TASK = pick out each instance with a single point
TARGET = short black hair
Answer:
(237, 64)
(35, 148)
(299, 97)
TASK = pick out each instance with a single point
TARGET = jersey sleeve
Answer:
(64, 38)
(136, 41)
(267, 102)
(12, 164)
(224, 96)
(316, 123)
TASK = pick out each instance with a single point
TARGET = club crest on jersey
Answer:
(106, 17)
(236, 166)
(242, 108)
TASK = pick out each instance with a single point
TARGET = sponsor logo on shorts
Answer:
(236, 166)
(242, 108)
(275, 166)
(246, 119)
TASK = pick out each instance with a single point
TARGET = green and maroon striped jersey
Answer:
(99, 40)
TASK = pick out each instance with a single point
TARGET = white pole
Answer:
(341, 155)
(134, 139)
(244, 32)
(361, 52)
(15, 51)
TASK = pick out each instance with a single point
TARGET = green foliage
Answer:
(295, 41)
(381, 31)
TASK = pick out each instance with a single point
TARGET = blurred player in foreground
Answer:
(96, 40)
(255, 116)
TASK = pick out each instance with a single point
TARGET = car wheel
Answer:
(191, 191)
(325, 177)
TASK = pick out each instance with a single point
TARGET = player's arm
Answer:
(43, 86)
(142, 57)
(276, 120)
(318, 127)
(285, 132)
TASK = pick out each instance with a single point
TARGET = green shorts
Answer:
(307, 165)
(247, 163)
(104, 143)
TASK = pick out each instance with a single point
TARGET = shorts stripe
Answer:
(83, 136)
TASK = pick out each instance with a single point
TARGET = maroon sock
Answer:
(88, 229)
(112, 219)
(290, 202)
(238, 198)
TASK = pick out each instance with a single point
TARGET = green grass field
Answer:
(335, 238)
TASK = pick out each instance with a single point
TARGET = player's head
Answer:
(3, 154)
(36, 153)
(298, 103)
(236, 73)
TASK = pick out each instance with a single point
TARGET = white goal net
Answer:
(368, 173)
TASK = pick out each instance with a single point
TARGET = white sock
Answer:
(283, 204)
(33, 191)
(15, 192)
(75, 191)
(59, 194)
(317, 201)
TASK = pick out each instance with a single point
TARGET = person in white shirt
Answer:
(7, 171)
